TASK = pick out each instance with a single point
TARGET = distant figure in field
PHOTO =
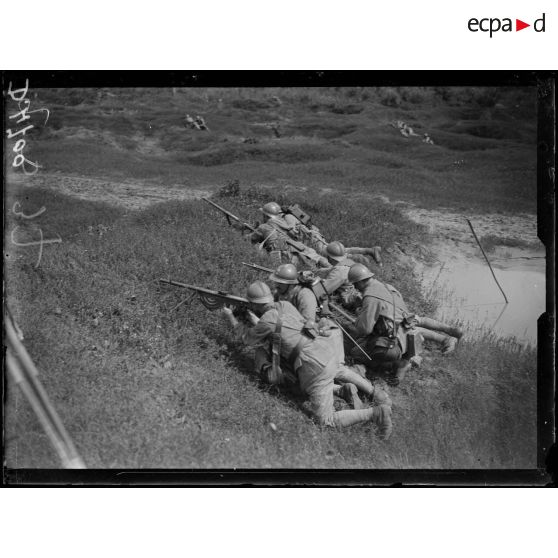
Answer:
(189, 122)
(405, 129)
(427, 139)
(201, 123)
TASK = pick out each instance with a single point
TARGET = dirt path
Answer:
(453, 237)
(131, 194)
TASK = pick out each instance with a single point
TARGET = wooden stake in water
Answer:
(486, 258)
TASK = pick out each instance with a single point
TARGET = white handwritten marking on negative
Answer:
(18, 95)
(19, 213)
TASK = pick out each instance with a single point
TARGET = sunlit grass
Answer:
(139, 384)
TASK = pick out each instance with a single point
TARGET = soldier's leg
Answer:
(262, 360)
(319, 387)
(383, 357)
(381, 416)
(375, 252)
(446, 342)
(435, 325)
(346, 375)
(348, 392)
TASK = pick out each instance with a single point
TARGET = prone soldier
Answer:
(311, 356)
(312, 305)
(301, 228)
(278, 238)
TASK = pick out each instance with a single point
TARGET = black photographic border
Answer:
(543, 475)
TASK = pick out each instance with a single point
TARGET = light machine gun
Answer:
(213, 300)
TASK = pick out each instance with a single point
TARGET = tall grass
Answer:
(139, 384)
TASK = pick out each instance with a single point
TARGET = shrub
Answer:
(389, 97)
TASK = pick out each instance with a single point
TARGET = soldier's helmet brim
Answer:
(337, 258)
(277, 279)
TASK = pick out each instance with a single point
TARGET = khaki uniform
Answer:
(303, 299)
(315, 366)
(380, 302)
(336, 277)
(311, 236)
(274, 233)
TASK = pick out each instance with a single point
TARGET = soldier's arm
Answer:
(335, 278)
(258, 334)
(257, 236)
(307, 304)
(368, 316)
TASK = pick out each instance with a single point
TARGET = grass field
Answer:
(139, 384)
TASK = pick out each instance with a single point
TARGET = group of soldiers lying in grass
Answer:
(325, 323)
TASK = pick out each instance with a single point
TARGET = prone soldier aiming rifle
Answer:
(214, 300)
(274, 237)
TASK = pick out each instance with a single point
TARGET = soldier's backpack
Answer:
(295, 210)
(309, 280)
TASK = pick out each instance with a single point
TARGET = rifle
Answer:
(299, 247)
(324, 312)
(230, 216)
(258, 267)
(213, 300)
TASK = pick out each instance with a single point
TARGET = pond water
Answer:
(467, 292)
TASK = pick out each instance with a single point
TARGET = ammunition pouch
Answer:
(384, 328)
(414, 343)
(386, 349)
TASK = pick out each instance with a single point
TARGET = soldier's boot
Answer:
(435, 325)
(447, 344)
(356, 375)
(399, 371)
(349, 393)
(376, 254)
(380, 416)
(380, 397)
(382, 419)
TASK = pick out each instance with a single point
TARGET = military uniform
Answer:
(274, 235)
(336, 277)
(309, 235)
(380, 317)
(314, 361)
(303, 299)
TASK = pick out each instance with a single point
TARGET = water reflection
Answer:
(467, 292)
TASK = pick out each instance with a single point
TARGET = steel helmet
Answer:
(359, 272)
(286, 274)
(271, 209)
(259, 293)
(336, 251)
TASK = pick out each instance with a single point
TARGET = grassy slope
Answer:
(484, 157)
(139, 385)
